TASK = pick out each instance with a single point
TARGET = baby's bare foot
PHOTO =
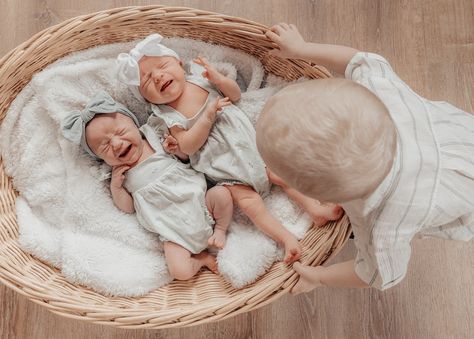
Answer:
(209, 261)
(217, 239)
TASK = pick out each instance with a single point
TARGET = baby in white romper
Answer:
(168, 196)
(222, 146)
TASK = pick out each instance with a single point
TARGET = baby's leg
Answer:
(183, 265)
(320, 213)
(252, 205)
(219, 203)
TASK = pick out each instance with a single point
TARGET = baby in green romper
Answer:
(222, 146)
(168, 196)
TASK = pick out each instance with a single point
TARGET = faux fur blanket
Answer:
(65, 213)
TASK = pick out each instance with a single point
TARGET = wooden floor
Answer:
(431, 45)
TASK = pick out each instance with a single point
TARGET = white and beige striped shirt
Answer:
(429, 190)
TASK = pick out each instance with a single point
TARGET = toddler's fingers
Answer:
(275, 52)
(297, 267)
(284, 25)
(273, 36)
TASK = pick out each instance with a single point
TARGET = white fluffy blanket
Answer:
(65, 212)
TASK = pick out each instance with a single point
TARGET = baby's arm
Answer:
(292, 45)
(337, 275)
(190, 141)
(226, 85)
(170, 145)
(120, 196)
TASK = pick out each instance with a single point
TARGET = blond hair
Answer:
(331, 139)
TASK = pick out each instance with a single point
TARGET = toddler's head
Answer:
(153, 71)
(331, 139)
(106, 130)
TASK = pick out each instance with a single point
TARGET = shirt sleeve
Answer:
(383, 264)
(365, 65)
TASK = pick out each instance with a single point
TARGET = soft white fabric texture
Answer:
(128, 70)
(65, 213)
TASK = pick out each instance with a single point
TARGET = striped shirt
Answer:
(429, 190)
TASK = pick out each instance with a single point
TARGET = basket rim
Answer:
(34, 293)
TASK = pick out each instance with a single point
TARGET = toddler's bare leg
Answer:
(183, 265)
(320, 213)
(252, 205)
(219, 203)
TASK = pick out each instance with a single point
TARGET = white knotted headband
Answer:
(128, 69)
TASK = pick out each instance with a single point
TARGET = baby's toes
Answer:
(220, 243)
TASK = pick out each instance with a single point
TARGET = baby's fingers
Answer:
(222, 102)
(201, 61)
(292, 256)
(120, 169)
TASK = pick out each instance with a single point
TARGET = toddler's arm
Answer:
(292, 45)
(337, 275)
(227, 86)
(190, 141)
(120, 196)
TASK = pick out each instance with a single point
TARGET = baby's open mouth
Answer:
(165, 85)
(125, 151)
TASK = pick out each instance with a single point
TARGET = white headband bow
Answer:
(128, 70)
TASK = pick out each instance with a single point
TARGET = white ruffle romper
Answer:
(230, 154)
(169, 197)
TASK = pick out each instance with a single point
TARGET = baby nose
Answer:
(116, 144)
(157, 74)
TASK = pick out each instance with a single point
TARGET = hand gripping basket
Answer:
(206, 297)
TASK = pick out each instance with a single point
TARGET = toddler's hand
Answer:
(170, 145)
(215, 107)
(292, 250)
(275, 179)
(213, 75)
(310, 278)
(288, 39)
(118, 176)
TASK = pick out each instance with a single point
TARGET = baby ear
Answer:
(186, 66)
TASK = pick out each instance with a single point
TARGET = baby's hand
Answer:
(211, 74)
(292, 250)
(215, 107)
(118, 176)
(288, 39)
(170, 145)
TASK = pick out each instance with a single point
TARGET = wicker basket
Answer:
(206, 297)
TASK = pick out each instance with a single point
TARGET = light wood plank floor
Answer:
(431, 45)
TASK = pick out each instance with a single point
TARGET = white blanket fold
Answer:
(65, 213)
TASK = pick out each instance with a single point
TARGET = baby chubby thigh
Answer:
(175, 208)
